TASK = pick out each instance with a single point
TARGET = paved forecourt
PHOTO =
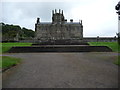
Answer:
(63, 70)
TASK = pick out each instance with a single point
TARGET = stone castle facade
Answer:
(59, 28)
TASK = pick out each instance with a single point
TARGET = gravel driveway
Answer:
(63, 70)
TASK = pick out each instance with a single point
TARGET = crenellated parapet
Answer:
(57, 17)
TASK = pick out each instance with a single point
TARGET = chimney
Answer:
(65, 20)
(38, 20)
(71, 20)
(59, 11)
(81, 22)
(52, 12)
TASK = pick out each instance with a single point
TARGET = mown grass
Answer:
(6, 46)
(7, 61)
(113, 45)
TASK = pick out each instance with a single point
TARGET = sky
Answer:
(99, 16)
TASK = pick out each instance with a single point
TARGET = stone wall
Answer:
(59, 31)
(85, 39)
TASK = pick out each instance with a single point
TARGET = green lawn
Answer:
(6, 46)
(113, 45)
(7, 61)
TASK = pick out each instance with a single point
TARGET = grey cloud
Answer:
(42, 9)
(25, 14)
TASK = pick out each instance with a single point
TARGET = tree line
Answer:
(15, 32)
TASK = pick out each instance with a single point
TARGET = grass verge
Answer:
(6, 46)
(113, 45)
(7, 61)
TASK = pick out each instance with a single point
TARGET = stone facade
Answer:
(59, 28)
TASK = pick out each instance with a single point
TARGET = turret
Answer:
(62, 12)
(55, 11)
(38, 20)
(71, 20)
(57, 17)
(52, 12)
(59, 11)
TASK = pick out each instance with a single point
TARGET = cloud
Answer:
(99, 17)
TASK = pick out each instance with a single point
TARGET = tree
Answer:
(9, 32)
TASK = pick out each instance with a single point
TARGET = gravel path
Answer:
(63, 70)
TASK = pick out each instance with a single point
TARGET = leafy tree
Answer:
(12, 31)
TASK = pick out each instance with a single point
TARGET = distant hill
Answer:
(15, 32)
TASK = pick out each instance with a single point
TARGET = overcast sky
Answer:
(99, 16)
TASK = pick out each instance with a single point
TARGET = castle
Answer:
(58, 29)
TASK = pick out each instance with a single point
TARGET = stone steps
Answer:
(59, 48)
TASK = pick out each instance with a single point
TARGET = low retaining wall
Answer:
(85, 39)
(100, 39)
(59, 48)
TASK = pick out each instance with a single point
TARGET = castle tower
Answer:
(59, 29)
(57, 18)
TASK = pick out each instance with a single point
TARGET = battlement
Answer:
(57, 18)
